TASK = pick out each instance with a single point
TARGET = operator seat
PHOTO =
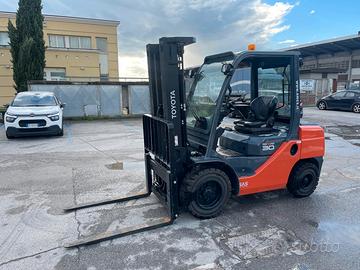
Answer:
(261, 116)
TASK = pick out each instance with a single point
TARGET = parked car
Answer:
(34, 113)
(348, 100)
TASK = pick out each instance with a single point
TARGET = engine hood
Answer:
(33, 110)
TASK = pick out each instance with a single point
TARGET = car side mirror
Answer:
(62, 105)
(6, 106)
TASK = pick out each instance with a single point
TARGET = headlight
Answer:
(54, 117)
(10, 118)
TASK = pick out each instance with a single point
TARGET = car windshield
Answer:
(354, 86)
(202, 102)
(34, 101)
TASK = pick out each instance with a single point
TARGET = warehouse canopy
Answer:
(331, 46)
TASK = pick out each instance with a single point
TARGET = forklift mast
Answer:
(166, 83)
(165, 137)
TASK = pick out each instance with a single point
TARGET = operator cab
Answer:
(243, 105)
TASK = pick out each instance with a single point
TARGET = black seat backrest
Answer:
(263, 107)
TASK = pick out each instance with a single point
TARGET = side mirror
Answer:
(6, 106)
(227, 68)
(62, 105)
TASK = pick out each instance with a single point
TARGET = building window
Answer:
(101, 44)
(80, 42)
(56, 41)
(356, 64)
(70, 42)
(4, 39)
(55, 74)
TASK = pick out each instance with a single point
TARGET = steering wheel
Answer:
(232, 106)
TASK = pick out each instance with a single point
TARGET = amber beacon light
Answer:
(251, 47)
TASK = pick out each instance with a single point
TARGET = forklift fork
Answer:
(105, 202)
(161, 169)
(94, 239)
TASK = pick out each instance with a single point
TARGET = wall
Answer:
(6, 82)
(99, 99)
(61, 27)
(77, 63)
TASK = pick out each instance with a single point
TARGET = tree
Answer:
(27, 44)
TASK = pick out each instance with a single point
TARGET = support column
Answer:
(350, 70)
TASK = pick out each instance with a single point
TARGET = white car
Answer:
(34, 113)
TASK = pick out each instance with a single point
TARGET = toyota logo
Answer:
(32, 115)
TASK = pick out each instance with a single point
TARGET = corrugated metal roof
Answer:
(330, 46)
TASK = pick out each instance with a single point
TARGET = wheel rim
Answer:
(209, 194)
(357, 108)
(321, 105)
(307, 180)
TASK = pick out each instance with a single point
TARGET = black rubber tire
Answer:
(8, 136)
(355, 108)
(320, 107)
(192, 192)
(61, 133)
(303, 180)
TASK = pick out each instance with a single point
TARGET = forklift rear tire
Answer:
(206, 192)
(303, 180)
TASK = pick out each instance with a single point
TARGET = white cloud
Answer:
(263, 22)
(218, 25)
(287, 41)
(133, 66)
(312, 12)
(210, 4)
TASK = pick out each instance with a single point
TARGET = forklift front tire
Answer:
(303, 180)
(206, 192)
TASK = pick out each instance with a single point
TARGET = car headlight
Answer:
(10, 118)
(54, 117)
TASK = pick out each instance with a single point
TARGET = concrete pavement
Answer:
(97, 160)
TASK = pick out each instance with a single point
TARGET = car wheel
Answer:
(9, 137)
(322, 105)
(61, 133)
(205, 192)
(303, 180)
(356, 108)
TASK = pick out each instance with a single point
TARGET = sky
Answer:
(218, 25)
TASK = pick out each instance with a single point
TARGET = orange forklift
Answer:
(236, 131)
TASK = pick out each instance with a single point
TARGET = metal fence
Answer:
(99, 99)
(139, 99)
(99, 79)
